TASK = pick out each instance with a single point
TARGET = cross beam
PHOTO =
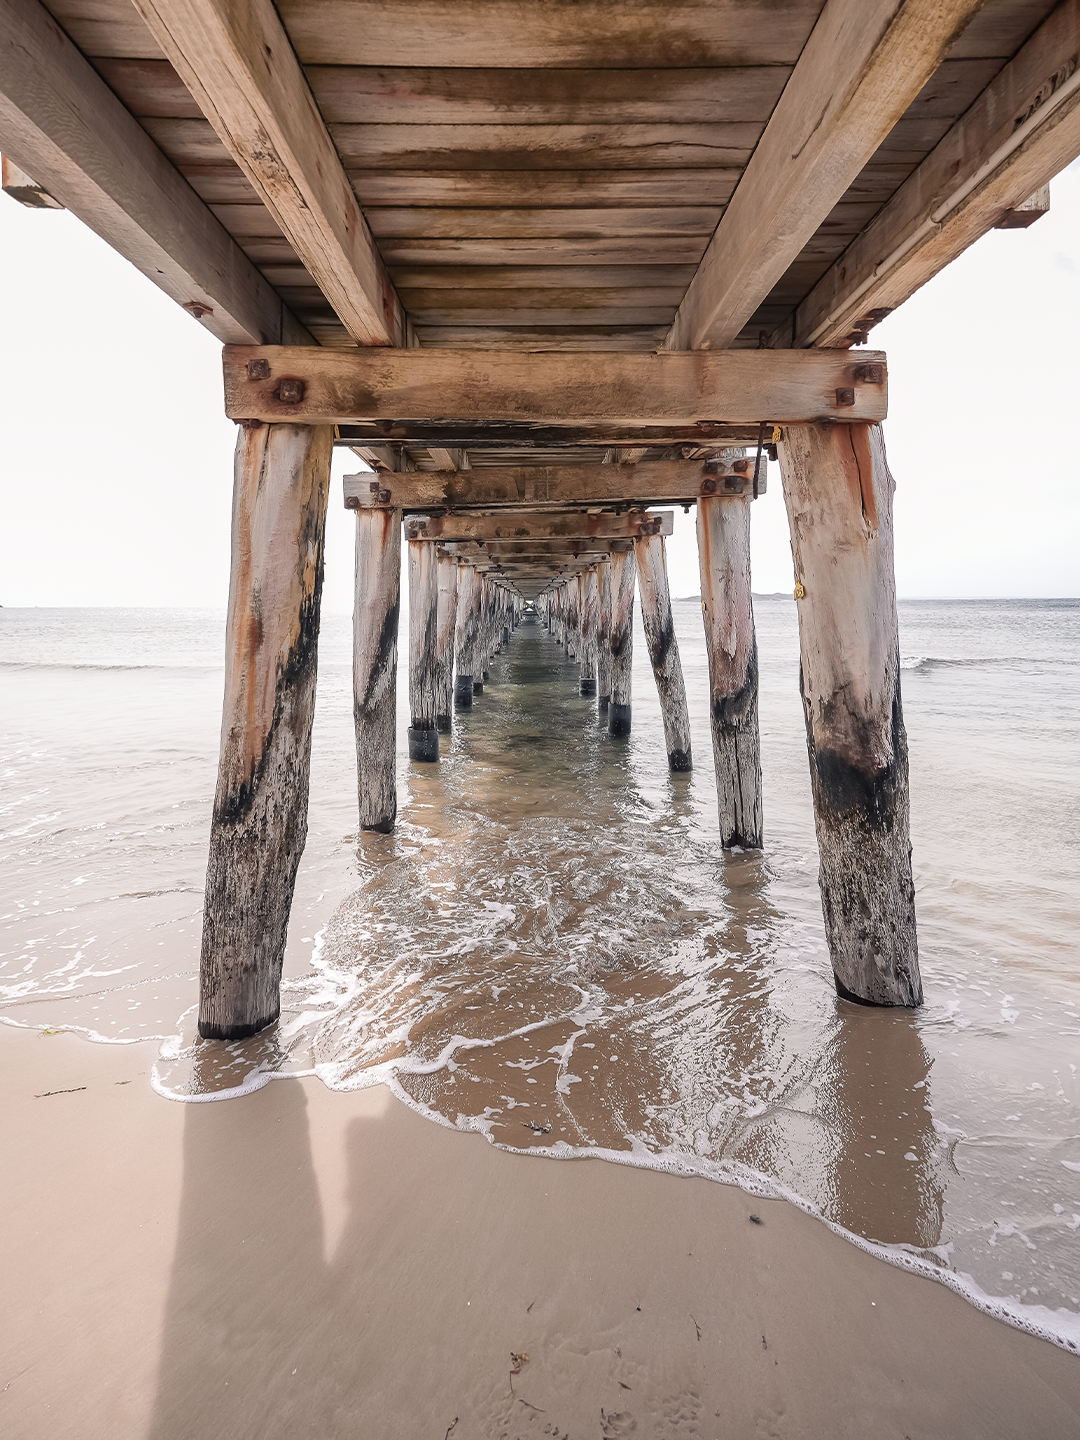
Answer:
(490, 530)
(563, 390)
(555, 487)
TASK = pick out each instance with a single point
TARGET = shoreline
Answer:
(302, 1261)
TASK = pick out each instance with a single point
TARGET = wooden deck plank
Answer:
(406, 95)
(658, 279)
(569, 223)
(544, 147)
(507, 189)
(617, 250)
(574, 34)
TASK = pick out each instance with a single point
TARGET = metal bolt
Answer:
(384, 497)
(352, 502)
(258, 369)
(741, 467)
(845, 395)
(708, 487)
(291, 391)
(374, 487)
(735, 484)
(871, 374)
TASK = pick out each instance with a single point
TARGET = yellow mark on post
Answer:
(800, 590)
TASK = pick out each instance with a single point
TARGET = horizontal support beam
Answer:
(62, 124)
(315, 387)
(1021, 131)
(578, 525)
(514, 550)
(554, 486)
(863, 65)
(704, 438)
(240, 66)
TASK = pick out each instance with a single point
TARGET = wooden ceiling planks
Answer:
(540, 202)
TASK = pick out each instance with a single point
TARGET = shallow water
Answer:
(553, 948)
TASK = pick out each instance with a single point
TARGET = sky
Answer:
(116, 457)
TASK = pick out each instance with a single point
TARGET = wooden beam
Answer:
(240, 66)
(62, 124)
(547, 487)
(861, 68)
(1021, 131)
(311, 387)
(502, 550)
(449, 459)
(577, 525)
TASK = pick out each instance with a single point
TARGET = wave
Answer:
(205, 666)
(1059, 1327)
(927, 663)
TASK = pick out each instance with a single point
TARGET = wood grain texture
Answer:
(839, 497)
(860, 70)
(423, 630)
(574, 34)
(558, 205)
(859, 289)
(259, 826)
(621, 640)
(376, 610)
(446, 629)
(545, 487)
(238, 64)
(589, 601)
(464, 637)
(603, 634)
(723, 536)
(663, 648)
(577, 525)
(62, 123)
(563, 390)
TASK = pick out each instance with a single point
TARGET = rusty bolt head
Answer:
(291, 391)
(384, 497)
(374, 487)
(845, 396)
(741, 467)
(352, 502)
(713, 467)
(870, 374)
(734, 484)
(708, 487)
(258, 369)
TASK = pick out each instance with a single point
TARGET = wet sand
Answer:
(302, 1263)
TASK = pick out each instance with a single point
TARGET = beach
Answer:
(298, 1262)
(544, 1046)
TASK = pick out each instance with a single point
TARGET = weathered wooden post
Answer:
(603, 635)
(477, 656)
(375, 652)
(623, 577)
(463, 638)
(723, 534)
(838, 492)
(259, 826)
(590, 605)
(572, 619)
(423, 626)
(663, 648)
(446, 627)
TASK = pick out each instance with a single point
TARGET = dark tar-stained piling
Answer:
(375, 656)
(659, 627)
(280, 490)
(839, 497)
(623, 585)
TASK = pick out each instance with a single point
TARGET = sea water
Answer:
(552, 947)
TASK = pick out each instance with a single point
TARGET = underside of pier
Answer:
(543, 267)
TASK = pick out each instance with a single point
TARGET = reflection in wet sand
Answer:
(552, 948)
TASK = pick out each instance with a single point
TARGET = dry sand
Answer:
(305, 1264)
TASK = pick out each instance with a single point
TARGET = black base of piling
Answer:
(618, 719)
(680, 760)
(444, 724)
(423, 745)
(477, 686)
(463, 692)
(487, 675)
(587, 687)
(602, 702)
(506, 634)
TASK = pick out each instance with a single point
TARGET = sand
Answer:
(306, 1264)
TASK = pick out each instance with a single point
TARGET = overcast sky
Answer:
(116, 459)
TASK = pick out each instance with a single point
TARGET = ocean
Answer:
(553, 949)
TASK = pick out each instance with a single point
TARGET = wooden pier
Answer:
(543, 269)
